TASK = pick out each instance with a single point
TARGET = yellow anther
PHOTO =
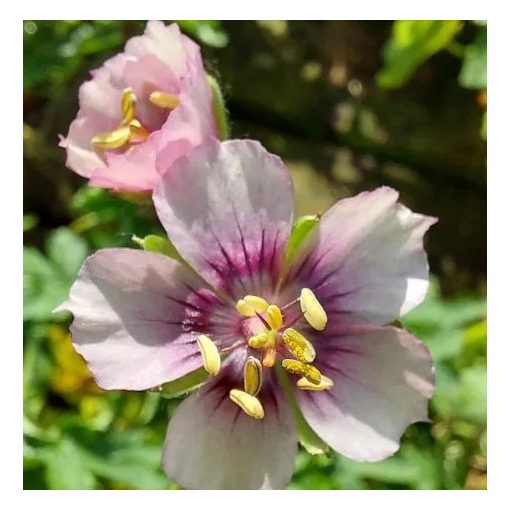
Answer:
(112, 140)
(248, 403)
(274, 317)
(210, 355)
(138, 133)
(251, 305)
(312, 310)
(298, 367)
(298, 345)
(325, 384)
(128, 106)
(252, 376)
(257, 303)
(269, 357)
(164, 100)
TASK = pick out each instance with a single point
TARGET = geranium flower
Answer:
(153, 97)
(258, 325)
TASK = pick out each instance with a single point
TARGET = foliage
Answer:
(412, 42)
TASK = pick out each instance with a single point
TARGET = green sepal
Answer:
(219, 108)
(300, 230)
(308, 439)
(157, 244)
(184, 384)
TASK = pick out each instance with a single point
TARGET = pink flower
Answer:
(153, 97)
(313, 330)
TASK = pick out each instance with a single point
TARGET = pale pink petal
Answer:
(383, 378)
(81, 157)
(212, 444)
(365, 261)
(166, 43)
(227, 207)
(136, 318)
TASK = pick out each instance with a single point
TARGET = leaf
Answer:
(66, 467)
(473, 74)
(67, 251)
(219, 108)
(157, 244)
(43, 286)
(301, 228)
(184, 384)
(206, 31)
(412, 42)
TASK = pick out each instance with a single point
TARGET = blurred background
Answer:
(349, 106)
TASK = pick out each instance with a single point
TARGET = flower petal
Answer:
(166, 43)
(136, 318)
(212, 444)
(227, 207)
(383, 378)
(365, 260)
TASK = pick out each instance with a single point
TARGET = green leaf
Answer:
(67, 251)
(29, 222)
(184, 384)
(412, 42)
(300, 230)
(473, 74)
(206, 31)
(66, 468)
(43, 286)
(219, 108)
(157, 244)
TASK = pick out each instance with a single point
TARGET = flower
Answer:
(153, 97)
(269, 333)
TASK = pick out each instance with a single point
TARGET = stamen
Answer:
(252, 376)
(298, 345)
(325, 384)
(274, 317)
(298, 367)
(112, 140)
(249, 306)
(248, 403)
(261, 340)
(128, 106)
(312, 310)
(269, 357)
(210, 355)
(164, 100)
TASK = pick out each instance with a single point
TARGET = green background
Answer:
(349, 105)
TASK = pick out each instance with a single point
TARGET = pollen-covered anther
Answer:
(248, 403)
(164, 100)
(298, 345)
(138, 133)
(128, 106)
(294, 366)
(249, 306)
(252, 376)
(274, 317)
(325, 384)
(210, 355)
(312, 310)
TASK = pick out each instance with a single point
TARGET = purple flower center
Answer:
(268, 331)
